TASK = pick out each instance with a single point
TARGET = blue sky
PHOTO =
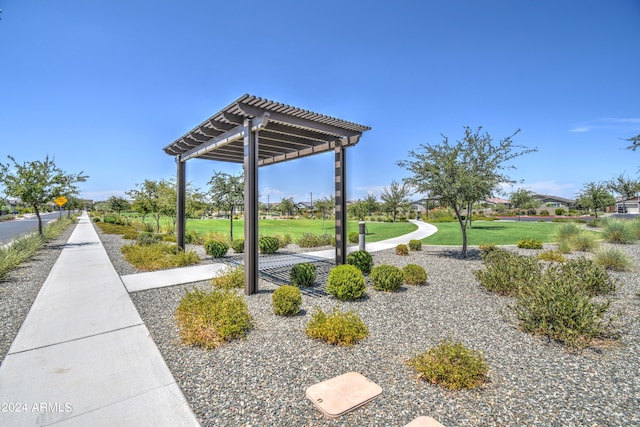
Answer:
(103, 86)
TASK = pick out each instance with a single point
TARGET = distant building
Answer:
(628, 206)
(547, 201)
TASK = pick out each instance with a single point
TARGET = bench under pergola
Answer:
(258, 132)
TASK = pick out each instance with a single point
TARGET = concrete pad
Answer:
(344, 393)
(175, 276)
(101, 377)
(424, 422)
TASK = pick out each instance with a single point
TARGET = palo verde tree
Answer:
(227, 193)
(38, 182)
(395, 196)
(594, 196)
(460, 174)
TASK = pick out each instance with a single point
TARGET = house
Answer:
(628, 206)
(547, 201)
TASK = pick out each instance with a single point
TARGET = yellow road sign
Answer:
(60, 200)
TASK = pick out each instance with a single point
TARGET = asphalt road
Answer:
(9, 230)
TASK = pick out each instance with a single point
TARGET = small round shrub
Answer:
(386, 278)
(361, 259)
(554, 256)
(414, 274)
(530, 244)
(402, 249)
(148, 239)
(303, 275)
(566, 231)
(231, 278)
(613, 259)
(487, 248)
(268, 244)
(619, 231)
(286, 300)
(346, 282)
(354, 237)
(415, 245)
(216, 248)
(451, 365)
(583, 242)
(310, 240)
(238, 245)
(341, 328)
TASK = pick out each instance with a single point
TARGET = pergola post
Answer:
(181, 186)
(250, 209)
(341, 203)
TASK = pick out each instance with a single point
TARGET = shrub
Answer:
(612, 259)
(286, 300)
(566, 231)
(554, 256)
(346, 282)
(193, 238)
(216, 248)
(148, 239)
(559, 211)
(530, 244)
(414, 274)
(354, 237)
(487, 248)
(268, 244)
(237, 245)
(158, 256)
(415, 245)
(361, 259)
(564, 247)
(209, 319)
(619, 231)
(451, 365)
(544, 212)
(283, 239)
(583, 241)
(310, 240)
(337, 327)
(402, 249)
(635, 226)
(386, 278)
(588, 277)
(303, 275)
(506, 273)
(231, 277)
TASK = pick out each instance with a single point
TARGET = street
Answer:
(9, 230)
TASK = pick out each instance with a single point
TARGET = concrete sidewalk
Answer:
(83, 355)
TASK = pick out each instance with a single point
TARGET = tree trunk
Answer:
(35, 208)
(231, 225)
(463, 228)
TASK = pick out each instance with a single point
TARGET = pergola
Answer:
(258, 132)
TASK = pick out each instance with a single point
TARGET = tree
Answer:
(523, 199)
(287, 206)
(627, 188)
(118, 204)
(460, 174)
(635, 142)
(395, 196)
(38, 182)
(227, 193)
(358, 209)
(594, 196)
(371, 204)
(146, 200)
(325, 207)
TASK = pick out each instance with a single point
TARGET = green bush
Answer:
(268, 244)
(231, 278)
(303, 275)
(566, 231)
(283, 239)
(451, 365)
(192, 237)
(506, 273)
(588, 277)
(583, 241)
(559, 211)
(216, 248)
(530, 244)
(286, 300)
(619, 231)
(415, 245)
(635, 226)
(209, 319)
(341, 328)
(612, 259)
(544, 212)
(148, 239)
(414, 274)
(386, 278)
(237, 245)
(354, 237)
(361, 259)
(346, 282)
(487, 248)
(158, 256)
(310, 240)
(554, 256)
(402, 250)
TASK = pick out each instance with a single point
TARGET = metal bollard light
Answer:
(361, 234)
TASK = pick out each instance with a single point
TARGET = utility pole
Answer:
(311, 196)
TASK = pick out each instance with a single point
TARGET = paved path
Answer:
(83, 356)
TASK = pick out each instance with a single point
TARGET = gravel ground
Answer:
(261, 380)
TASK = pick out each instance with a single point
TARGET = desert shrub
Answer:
(303, 275)
(237, 245)
(566, 231)
(554, 256)
(18, 251)
(231, 277)
(612, 259)
(415, 245)
(559, 211)
(216, 248)
(346, 282)
(158, 256)
(131, 235)
(286, 300)
(148, 227)
(506, 272)
(564, 247)
(635, 226)
(386, 278)
(530, 244)
(361, 259)
(310, 240)
(619, 231)
(192, 237)
(217, 236)
(268, 244)
(588, 277)
(451, 365)
(544, 212)
(209, 319)
(337, 327)
(557, 308)
(110, 220)
(583, 241)
(283, 239)
(353, 237)
(168, 238)
(414, 274)
(402, 249)
(487, 248)
(148, 238)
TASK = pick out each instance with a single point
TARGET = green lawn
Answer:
(297, 227)
(492, 232)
